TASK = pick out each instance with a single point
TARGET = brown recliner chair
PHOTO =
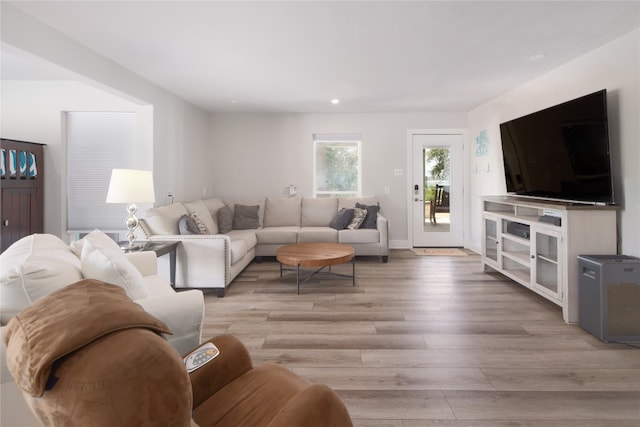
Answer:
(88, 356)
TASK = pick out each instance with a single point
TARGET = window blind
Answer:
(97, 142)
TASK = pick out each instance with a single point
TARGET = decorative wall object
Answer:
(13, 163)
(33, 168)
(23, 162)
(482, 150)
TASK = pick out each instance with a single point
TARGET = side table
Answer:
(160, 248)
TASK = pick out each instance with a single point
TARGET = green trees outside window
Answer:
(437, 168)
(337, 168)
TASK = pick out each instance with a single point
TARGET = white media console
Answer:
(537, 243)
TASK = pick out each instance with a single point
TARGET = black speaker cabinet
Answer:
(609, 297)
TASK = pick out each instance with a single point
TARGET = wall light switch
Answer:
(398, 172)
(387, 190)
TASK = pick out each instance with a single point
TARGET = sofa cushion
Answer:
(187, 225)
(213, 205)
(318, 212)
(225, 220)
(102, 259)
(350, 202)
(238, 250)
(197, 210)
(245, 217)
(32, 268)
(342, 219)
(277, 235)
(317, 234)
(249, 237)
(358, 236)
(282, 211)
(371, 220)
(358, 218)
(164, 219)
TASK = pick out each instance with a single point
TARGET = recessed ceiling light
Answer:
(537, 56)
(335, 101)
(234, 101)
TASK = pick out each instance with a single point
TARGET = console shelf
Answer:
(537, 243)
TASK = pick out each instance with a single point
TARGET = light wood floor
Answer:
(432, 341)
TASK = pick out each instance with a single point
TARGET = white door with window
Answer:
(437, 189)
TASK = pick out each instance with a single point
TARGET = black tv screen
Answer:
(561, 152)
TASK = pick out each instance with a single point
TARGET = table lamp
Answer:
(131, 186)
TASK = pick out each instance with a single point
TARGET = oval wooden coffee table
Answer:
(319, 254)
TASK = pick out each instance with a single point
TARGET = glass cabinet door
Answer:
(546, 265)
(491, 241)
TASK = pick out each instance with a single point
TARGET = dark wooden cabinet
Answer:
(22, 185)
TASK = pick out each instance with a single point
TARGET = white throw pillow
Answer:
(32, 268)
(102, 259)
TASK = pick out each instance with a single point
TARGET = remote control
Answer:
(201, 356)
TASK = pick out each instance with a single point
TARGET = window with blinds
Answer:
(97, 142)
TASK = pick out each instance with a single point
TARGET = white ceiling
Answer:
(375, 56)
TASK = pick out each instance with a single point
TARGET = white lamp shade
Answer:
(131, 186)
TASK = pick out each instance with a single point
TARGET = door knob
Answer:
(417, 200)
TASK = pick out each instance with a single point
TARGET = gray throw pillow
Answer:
(245, 217)
(342, 219)
(224, 220)
(187, 225)
(371, 220)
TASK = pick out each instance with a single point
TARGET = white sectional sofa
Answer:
(259, 227)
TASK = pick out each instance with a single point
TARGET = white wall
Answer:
(34, 111)
(180, 129)
(260, 154)
(615, 67)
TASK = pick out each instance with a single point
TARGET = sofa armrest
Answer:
(383, 228)
(232, 362)
(183, 312)
(315, 406)
(202, 259)
(146, 262)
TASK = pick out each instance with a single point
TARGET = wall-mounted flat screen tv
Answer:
(561, 152)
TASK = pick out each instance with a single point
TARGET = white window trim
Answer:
(337, 139)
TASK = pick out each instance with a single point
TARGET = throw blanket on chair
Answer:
(88, 355)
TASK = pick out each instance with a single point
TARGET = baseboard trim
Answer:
(399, 244)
